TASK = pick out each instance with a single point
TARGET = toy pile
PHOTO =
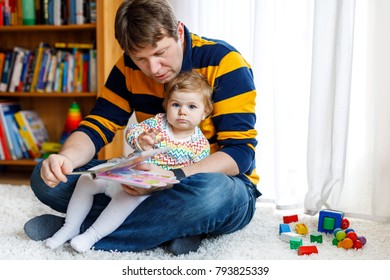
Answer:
(347, 238)
(330, 221)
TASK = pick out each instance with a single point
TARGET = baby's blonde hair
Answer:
(190, 82)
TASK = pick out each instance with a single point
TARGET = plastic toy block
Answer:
(329, 220)
(307, 250)
(317, 237)
(290, 219)
(328, 223)
(301, 229)
(295, 242)
(284, 228)
(286, 236)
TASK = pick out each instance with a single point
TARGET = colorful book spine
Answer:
(20, 54)
(23, 73)
(92, 71)
(6, 71)
(2, 60)
(41, 49)
(4, 142)
(9, 109)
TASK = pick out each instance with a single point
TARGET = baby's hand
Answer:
(148, 139)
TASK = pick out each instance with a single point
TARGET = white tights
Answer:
(119, 208)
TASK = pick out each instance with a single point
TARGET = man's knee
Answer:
(213, 191)
(36, 179)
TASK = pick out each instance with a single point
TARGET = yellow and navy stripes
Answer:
(230, 127)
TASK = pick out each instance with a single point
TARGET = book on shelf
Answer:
(12, 68)
(85, 69)
(21, 149)
(55, 15)
(70, 77)
(19, 54)
(2, 60)
(71, 45)
(5, 18)
(1, 149)
(122, 170)
(27, 80)
(92, 70)
(64, 77)
(7, 112)
(1, 13)
(57, 12)
(6, 71)
(44, 70)
(50, 69)
(58, 74)
(52, 74)
(38, 64)
(28, 59)
(80, 15)
(91, 13)
(5, 152)
(33, 131)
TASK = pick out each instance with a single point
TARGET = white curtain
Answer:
(329, 99)
(365, 191)
(321, 70)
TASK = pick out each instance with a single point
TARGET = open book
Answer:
(121, 170)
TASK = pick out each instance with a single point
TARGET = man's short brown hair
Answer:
(141, 23)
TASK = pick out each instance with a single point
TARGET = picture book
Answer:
(32, 130)
(122, 171)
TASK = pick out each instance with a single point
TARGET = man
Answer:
(216, 195)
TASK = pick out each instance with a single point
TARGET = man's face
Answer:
(164, 61)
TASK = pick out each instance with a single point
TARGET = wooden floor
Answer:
(15, 175)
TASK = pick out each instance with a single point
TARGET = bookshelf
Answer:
(53, 106)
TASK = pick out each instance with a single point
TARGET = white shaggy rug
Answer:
(258, 241)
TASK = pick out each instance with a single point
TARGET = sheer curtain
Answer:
(365, 191)
(321, 73)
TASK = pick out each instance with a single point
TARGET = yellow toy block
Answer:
(301, 229)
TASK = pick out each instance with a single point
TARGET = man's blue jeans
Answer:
(205, 203)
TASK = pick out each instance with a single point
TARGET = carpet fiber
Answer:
(258, 241)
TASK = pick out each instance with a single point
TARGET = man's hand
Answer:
(54, 169)
(136, 191)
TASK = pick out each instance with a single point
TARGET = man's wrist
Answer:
(179, 173)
